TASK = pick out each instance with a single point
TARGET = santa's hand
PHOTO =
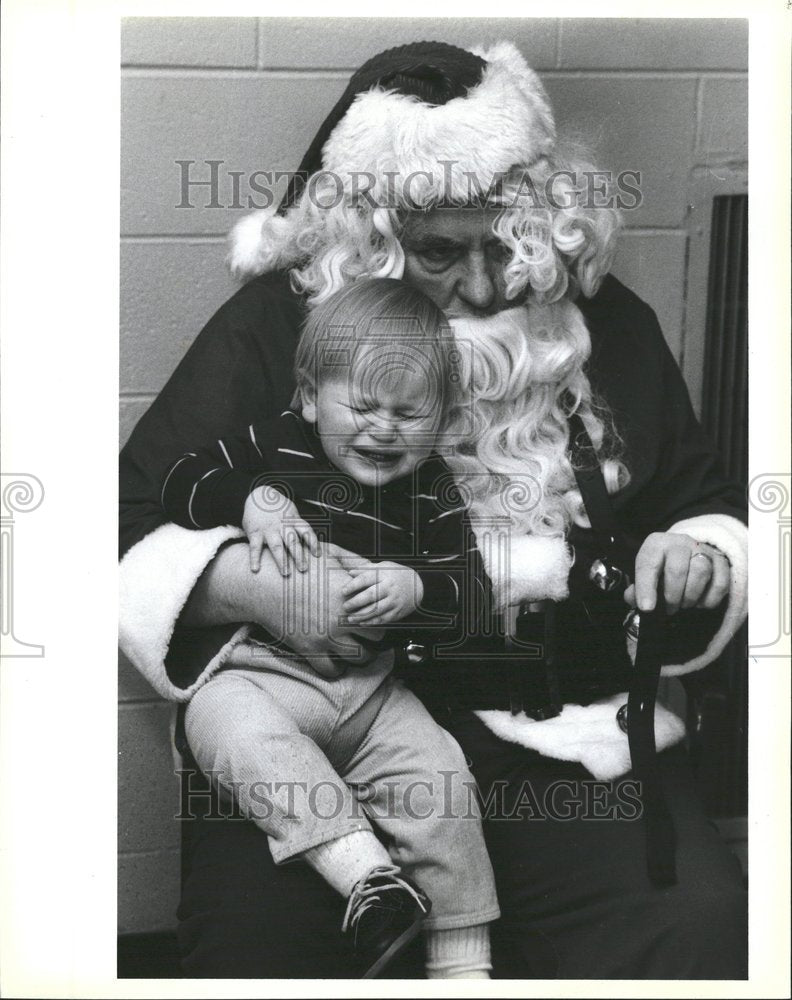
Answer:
(691, 574)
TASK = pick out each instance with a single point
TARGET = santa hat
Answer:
(421, 124)
(429, 107)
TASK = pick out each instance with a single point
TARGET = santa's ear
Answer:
(306, 395)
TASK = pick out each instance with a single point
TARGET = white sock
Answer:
(343, 862)
(458, 953)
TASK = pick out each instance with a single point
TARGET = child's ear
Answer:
(308, 402)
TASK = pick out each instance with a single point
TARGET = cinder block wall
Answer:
(666, 97)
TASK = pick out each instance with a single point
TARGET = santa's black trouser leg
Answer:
(572, 879)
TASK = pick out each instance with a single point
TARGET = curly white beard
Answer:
(522, 373)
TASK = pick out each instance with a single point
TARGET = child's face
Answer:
(375, 433)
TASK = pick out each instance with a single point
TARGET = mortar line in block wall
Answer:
(173, 237)
(653, 231)
(138, 701)
(720, 161)
(153, 702)
(232, 73)
(149, 854)
(559, 30)
(160, 70)
(259, 40)
(137, 397)
(643, 74)
(698, 122)
(684, 318)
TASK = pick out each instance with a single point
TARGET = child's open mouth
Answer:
(379, 457)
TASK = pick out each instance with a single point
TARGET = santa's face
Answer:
(453, 256)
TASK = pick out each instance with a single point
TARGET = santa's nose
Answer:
(475, 289)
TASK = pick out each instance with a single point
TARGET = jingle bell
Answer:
(605, 576)
(416, 653)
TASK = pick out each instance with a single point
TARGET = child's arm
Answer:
(452, 571)
(446, 586)
(223, 485)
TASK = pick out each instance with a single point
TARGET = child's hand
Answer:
(271, 519)
(380, 593)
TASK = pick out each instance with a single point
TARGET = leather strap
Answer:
(660, 834)
(591, 483)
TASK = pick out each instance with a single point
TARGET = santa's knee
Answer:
(702, 932)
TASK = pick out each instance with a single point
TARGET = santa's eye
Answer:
(498, 252)
(436, 256)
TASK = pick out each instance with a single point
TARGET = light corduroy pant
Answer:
(310, 759)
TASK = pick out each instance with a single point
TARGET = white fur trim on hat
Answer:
(503, 121)
(249, 252)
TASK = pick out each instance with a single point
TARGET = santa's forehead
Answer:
(461, 224)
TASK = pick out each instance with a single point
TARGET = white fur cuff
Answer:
(731, 537)
(155, 579)
(525, 567)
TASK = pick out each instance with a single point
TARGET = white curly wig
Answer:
(391, 153)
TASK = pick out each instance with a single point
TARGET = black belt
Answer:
(556, 656)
